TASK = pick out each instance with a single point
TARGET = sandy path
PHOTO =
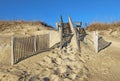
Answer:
(105, 66)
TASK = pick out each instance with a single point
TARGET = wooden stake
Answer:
(74, 41)
(12, 50)
(61, 32)
(35, 43)
(96, 40)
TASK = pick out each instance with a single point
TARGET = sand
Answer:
(105, 65)
(65, 65)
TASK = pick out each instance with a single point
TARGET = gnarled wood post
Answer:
(74, 41)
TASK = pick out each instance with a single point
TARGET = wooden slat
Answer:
(23, 47)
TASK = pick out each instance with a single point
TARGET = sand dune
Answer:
(65, 65)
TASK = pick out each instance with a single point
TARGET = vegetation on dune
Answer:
(102, 26)
(12, 24)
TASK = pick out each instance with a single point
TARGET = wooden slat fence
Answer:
(102, 44)
(24, 47)
(99, 42)
(43, 43)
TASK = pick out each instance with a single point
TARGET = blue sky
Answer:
(49, 11)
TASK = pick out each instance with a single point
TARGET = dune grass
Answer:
(102, 26)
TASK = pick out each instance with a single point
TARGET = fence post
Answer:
(61, 32)
(96, 40)
(49, 41)
(35, 43)
(57, 25)
(12, 50)
(74, 40)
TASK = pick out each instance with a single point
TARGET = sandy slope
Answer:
(67, 65)
(104, 66)
(52, 65)
(91, 66)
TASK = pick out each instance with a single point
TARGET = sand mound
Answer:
(65, 65)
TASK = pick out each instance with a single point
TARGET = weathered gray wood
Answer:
(12, 50)
(24, 47)
(61, 32)
(57, 25)
(74, 40)
(96, 40)
(35, 43)
(71, 25)
(48, 41)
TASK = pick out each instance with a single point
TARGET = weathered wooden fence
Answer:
(23, 47)
(99, 42)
